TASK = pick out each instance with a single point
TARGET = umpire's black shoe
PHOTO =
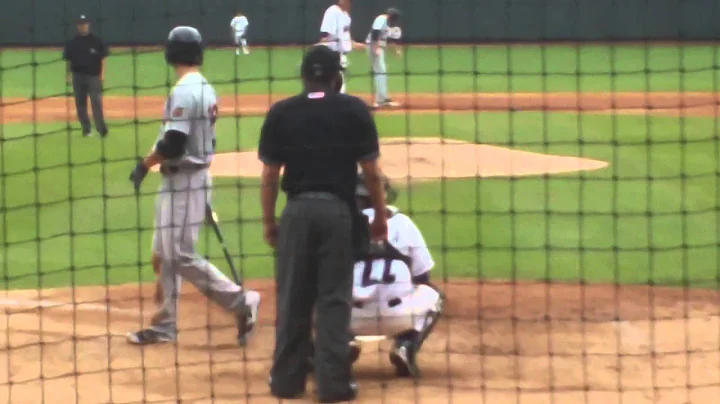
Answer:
(283, 394)
(403, 358)
(349, 395)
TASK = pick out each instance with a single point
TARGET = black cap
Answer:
(393, 14)
(320, 62)
(82, 19)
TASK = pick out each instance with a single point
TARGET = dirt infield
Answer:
(148, 107)
(498, 343)
(430, 159)
(529, 343)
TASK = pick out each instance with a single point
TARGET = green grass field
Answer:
(482, 68)
(651, 216)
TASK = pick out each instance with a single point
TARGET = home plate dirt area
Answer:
(520, 343)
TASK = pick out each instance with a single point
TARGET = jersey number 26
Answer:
(386, 278)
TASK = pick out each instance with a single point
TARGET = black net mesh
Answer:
(560, 160)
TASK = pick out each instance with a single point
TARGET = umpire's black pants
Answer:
(89, 86)
(314, 265)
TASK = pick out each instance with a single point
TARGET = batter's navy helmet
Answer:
(184, 47)
(362, 191)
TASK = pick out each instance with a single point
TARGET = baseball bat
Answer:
(212, 219)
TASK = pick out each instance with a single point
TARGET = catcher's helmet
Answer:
(361, 190)
(184, 47)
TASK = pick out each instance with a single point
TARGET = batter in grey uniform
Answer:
(184, 151)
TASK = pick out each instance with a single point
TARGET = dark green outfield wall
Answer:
(49, 22)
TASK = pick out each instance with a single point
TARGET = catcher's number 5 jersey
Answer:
(192, 109)
(394, 276)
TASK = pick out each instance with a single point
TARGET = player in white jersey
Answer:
(384, 28)
(238, 28)
(335, 33)
(184, 150)
(392, 293)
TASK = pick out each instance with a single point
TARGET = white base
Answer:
(370, 338)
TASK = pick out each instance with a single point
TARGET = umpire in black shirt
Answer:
(319, 137)
(85, 55)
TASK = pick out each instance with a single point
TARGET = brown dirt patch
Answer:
(149, 107)
(499, 343)
(420, 159)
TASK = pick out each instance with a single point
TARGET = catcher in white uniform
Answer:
(392, 293)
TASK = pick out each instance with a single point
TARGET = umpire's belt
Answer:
(166, 169)
(325, 196)
(391, 303)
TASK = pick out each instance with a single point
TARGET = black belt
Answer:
(391, 303)
(173, 169)
(326, 196)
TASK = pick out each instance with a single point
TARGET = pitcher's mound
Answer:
(433, 158)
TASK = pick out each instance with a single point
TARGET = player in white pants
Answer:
(184, 150)
(238, 26)
(335, 33)
(392, 293)
(384, 28)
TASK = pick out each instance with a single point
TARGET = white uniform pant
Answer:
(179, 214)
(344, 64)
(240, 39)
(378, 318)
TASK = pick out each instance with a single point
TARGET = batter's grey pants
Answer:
(314, 266)
(179, 213)
(84, 86)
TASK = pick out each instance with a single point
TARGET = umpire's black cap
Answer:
(82, 20)
(320, 63)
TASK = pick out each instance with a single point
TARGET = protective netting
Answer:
(568, 193)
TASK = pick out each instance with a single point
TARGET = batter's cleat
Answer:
(246, 51)
(147, 337)
(403, 358)
(246, 324)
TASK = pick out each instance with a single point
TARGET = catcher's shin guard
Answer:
(431, 318)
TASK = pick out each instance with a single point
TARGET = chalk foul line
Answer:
(77, 306)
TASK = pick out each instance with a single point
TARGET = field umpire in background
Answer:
(319, 137)
(85, 54)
